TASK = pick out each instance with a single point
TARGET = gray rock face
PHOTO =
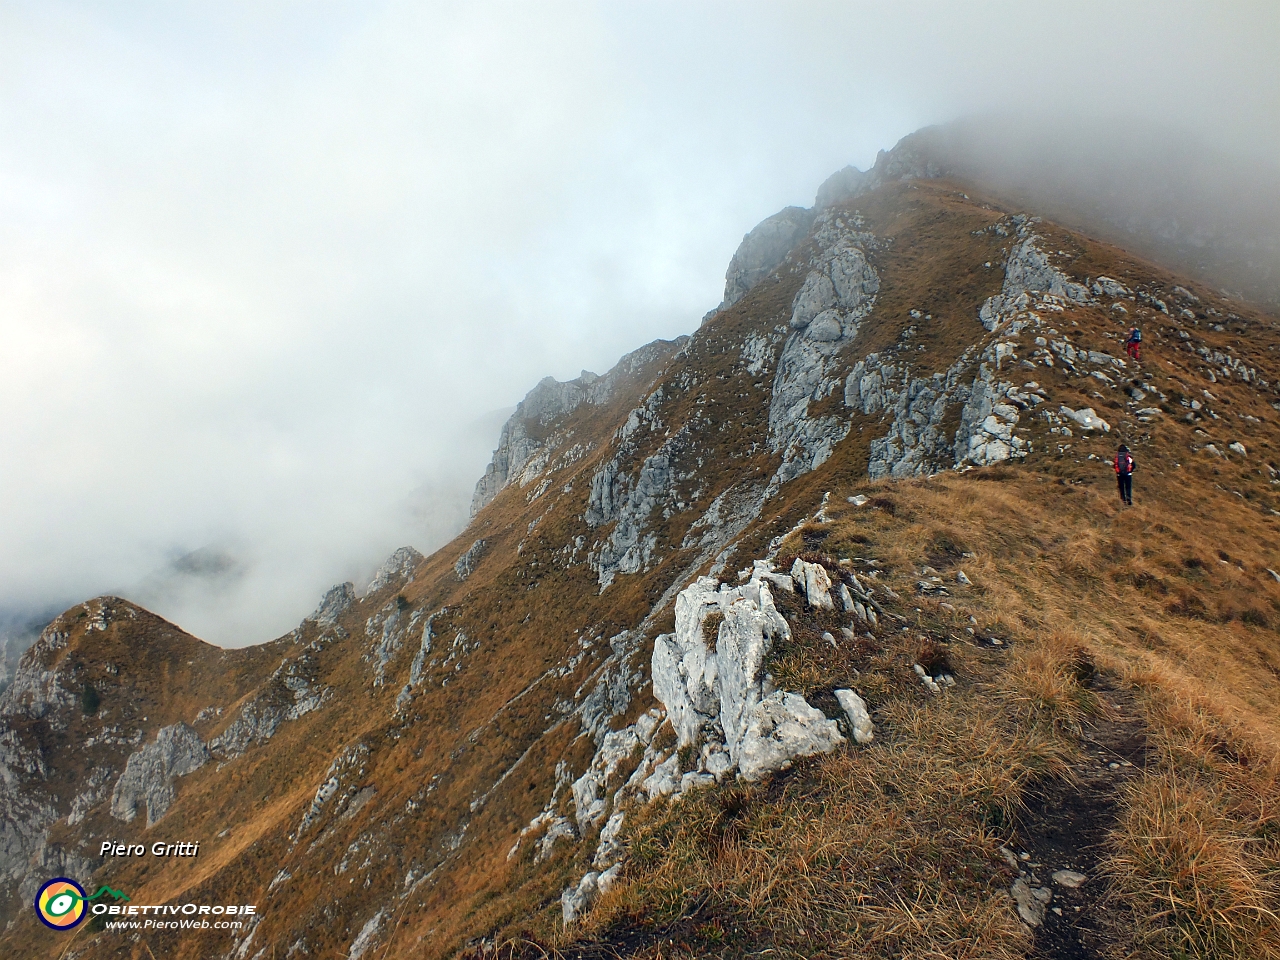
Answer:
(815, 582)
(837, 294)
(1028, 272)
(367, 936)
(348, 767)
(906, 161)
(26, 809)
(985, 435)
(724, 691)
(15, 640)
(287, 695)
(33, 692)
(628, 502)
(915, 443)
(28, 804)
(398, 567)
(417, 669)
(576, 899)
(334, 603)
(781, 727)
(763, 249)
(467, 562)
(628, 499)
(844, 184)
(386, 630)
(589, 789)
(717, 529)
(547, 401)
(257, 722)
(424, 647)
(150, 772)
(94, 792)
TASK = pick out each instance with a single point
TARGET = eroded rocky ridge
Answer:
(525, 447)
(762, 250)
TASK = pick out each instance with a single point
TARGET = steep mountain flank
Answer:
(771, 637)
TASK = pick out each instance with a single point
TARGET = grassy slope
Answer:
(1191, 856)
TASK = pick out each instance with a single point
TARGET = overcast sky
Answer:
(268, 270)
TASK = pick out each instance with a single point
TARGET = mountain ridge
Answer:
(473, 738)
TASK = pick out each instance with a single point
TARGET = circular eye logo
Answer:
(60, 903)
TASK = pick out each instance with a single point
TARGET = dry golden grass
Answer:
(892, 850)
(882, 852)
(1195, 852)
(1191, 874)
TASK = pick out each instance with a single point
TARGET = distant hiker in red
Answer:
(1133, 346)
(1124, 474)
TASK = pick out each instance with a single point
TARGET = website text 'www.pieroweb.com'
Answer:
(187, 916)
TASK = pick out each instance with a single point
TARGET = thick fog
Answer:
(273, 273)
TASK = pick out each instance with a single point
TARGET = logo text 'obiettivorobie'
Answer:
(62, 903)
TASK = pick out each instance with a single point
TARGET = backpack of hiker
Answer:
(1133, 346)
(1124, 474)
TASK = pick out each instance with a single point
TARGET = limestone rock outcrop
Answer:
(398, 569)
(815, 582)
(1028, 271)
(763, 249)
(522, 445)
(35, 690)
(837, 294)
(470, 557)
(386, 630)
(549, 399)
(336, 601)
(987, 421)
(150, 772)
(289, 693)
(627, 502)
(910, 159)
(723, 692)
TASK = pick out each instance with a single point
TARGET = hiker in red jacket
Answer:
(1133, 346)
(1124, 474)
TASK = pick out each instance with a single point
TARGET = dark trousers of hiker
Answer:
(1125, 482)
(1134, 349)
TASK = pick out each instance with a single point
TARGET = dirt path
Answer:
(1066, 827)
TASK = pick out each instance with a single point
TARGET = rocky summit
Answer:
(821, 630)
